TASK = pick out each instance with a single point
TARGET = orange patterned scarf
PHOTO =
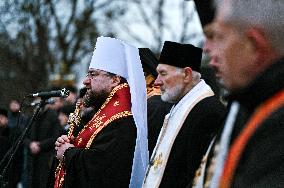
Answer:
(234, 155)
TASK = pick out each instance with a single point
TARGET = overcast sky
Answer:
(173, 20)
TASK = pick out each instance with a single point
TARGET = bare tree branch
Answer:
(147, 20)
(160, 22)
(72, 16)
(187, 18)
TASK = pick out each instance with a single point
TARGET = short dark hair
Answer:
(3, 112)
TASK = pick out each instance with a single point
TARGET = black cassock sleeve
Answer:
(192, 141)
(108, 162)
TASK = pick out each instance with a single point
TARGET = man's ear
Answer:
(187, 74)
(261, 48)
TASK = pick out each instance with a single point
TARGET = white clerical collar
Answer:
(194, 91)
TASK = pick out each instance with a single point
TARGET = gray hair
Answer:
(265, 14)
(196, 76)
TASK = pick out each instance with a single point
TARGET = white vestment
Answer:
(171, 127)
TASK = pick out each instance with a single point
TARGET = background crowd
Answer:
(195, 138)
(32, 162)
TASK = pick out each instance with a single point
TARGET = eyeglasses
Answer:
(94, 74)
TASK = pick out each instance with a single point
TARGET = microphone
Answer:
(48, 101)
(59, 93)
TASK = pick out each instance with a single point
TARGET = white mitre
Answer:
(120, 58)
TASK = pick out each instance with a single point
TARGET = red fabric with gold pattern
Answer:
(117, 105)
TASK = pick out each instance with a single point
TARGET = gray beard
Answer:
(172, 96)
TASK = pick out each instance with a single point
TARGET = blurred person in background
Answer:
(12, 175)
(40, 143)
(72, 97)
(4, 133)
(64, 116)
(57, 104)
(4, 140)
(206, 12)
(15, 116)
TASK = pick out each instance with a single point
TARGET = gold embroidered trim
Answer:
(116, 103)
(97, 123)
(104, 104)
(115, 117)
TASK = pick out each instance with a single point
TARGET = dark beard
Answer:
(95, 99)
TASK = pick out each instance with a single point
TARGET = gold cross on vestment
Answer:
(80, 140)
(116, 103)
(158, 161)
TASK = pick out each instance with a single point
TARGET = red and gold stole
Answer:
(238, 146)
(151, 88)
(116, 106)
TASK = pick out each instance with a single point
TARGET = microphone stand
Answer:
(11, 153)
